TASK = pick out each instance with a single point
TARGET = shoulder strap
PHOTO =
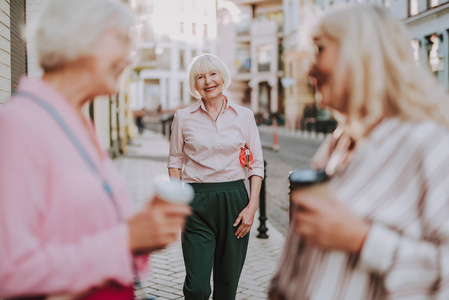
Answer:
(52, 111)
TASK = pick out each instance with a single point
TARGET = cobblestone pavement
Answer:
(146, 160)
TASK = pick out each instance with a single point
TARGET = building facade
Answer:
(298, 92)
(253, 34)
(13, 52)
(170, 34)
(426, 20)
(428, 24)
(110, 114)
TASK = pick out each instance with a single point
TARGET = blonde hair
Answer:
(377, 61)
(68, 30)
(204, 64)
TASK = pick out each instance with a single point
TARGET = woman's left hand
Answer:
(328, 223)
(246, 217)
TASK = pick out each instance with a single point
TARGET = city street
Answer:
(146, 160)
(294, 152)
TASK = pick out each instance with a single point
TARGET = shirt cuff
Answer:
(379, 249)
(257, 172)
(175, 163)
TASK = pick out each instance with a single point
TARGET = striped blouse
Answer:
(398, 180)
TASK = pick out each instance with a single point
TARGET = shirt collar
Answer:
(200, 104)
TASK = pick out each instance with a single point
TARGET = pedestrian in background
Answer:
(66, 225)
(383, 233)
(140, 115)
(205, 144)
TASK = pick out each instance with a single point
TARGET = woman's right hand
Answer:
(156, 226)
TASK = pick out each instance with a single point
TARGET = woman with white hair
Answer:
(383, 233)
(66, 223)
(207, 139)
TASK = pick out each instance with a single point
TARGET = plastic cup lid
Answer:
(307, 175)
(174, 191)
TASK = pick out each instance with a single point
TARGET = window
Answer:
(278, 17)
(243, 60)
(181, 60)
(432, 3)
(412, 7)
(435, 58)
(181, 91)
(243, 26)
(163, 58)
(264, 57)
(193, 29)
(415, 46)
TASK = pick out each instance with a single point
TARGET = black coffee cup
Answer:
(306, 178)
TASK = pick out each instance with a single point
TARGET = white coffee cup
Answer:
(173, 191)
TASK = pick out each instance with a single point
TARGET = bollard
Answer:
(166, 119)
(262, 207)
(170, 122)
(163, 125)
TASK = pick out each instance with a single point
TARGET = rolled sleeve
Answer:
(176, 152)
(253, 143)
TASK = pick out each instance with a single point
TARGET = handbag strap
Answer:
(52, 111)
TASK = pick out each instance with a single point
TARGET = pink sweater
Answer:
(58, 228)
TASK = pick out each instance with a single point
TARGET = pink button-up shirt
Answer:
(208, 151)
(58, 228)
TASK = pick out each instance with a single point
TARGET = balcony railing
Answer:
(263, 67)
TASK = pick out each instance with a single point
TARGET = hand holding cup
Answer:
(160, 221)
(320, 219)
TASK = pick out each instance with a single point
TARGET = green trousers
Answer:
(208, 240)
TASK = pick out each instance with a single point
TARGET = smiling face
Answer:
(209, 85)
(323, 71)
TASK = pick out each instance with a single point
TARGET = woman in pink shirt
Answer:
(66, 225)
(206, 140)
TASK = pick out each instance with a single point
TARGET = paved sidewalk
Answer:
(146, 160)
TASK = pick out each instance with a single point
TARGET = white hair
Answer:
(68, 30)
(204, 64)
(376, 60)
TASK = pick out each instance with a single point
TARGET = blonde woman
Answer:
(206, 140)
(384, 231)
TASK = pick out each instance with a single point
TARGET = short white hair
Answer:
(68, 30)
(204, 64)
